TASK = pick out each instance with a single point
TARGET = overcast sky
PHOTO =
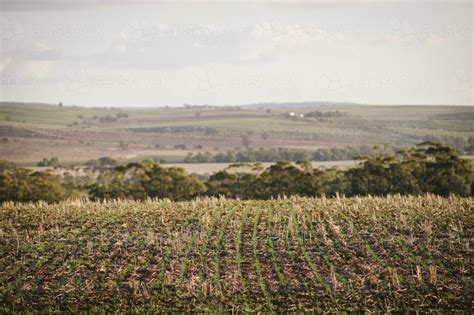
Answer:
(143, 53)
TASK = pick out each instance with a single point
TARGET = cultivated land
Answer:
(30, 132)
(378, 254)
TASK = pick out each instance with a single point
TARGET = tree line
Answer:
(287, 154)
(426, 168)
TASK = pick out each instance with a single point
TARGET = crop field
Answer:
(300, 254)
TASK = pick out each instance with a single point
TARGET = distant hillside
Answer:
(295, 105)
(30, 132)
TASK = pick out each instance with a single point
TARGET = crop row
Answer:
(381, 254)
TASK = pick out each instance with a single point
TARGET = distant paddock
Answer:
(203, 168)
(210, 168)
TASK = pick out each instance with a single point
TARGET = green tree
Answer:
(380, 176)
(440, 170)
(146, 179)
(19, 184)
(45, 186)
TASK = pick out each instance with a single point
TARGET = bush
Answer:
(52, 162)
(146, 179)
(19, 184)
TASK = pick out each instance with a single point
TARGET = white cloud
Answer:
(121, 48)
(29, 60)
(4, 62)
(40, 5)
(28, 69)
(41, 51)
(144, 44)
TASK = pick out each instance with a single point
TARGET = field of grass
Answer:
(300, 254)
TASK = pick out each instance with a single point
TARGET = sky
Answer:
(149, 53)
